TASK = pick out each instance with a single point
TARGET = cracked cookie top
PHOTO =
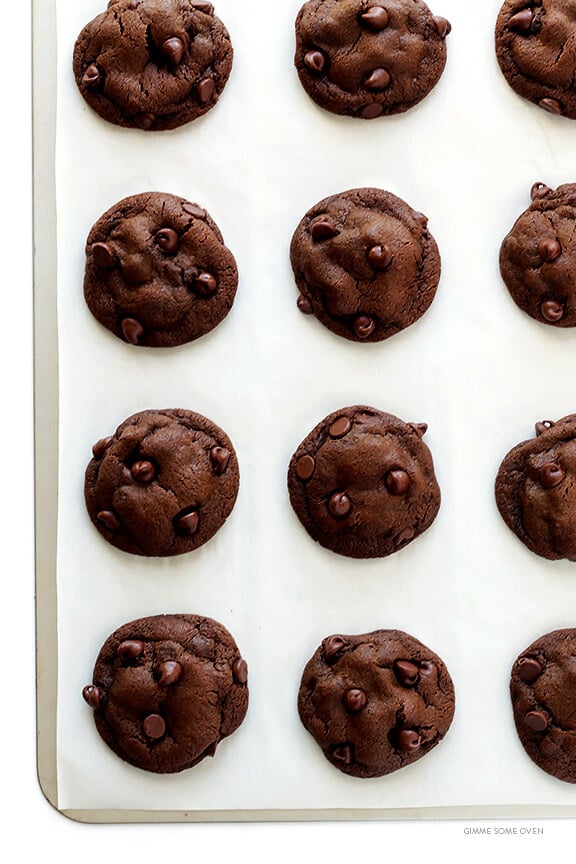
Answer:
(153, 64)
(536, 50)
(163, 484)
(369, 59)
(362, 483)
(167, 689)
(543, 693)
(157, 271)
(376, 702)
(365, 263)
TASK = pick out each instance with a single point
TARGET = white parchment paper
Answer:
(475, 368)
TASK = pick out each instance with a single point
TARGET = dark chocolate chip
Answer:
(91, 695)
(132, 330)
(143, 471)
(170, 672)
(536, 720)
(364, 326)
(539, 190)
(100, 447)
(167, 240)
(323, 230)
(443, 26)
(240, 671)
(219, 456)
(339, 427)
(355, 699)
(549, 249)
(333, 646)
(205, 90)
(144, 120)
(154, 727)
(529, 669)
(376, 18)
(408, 740)
(205, 284)
(315, 61)
(379, 257)
(551, 475)
(194, 210)
(304, 305)
(131, 649)
(187, 523)
(553, 106)
(552, 310)
(429, 670)
(421, 219)
(305, 467)
(92, 77)
(203, 6)
(397, 481)
(544, 426)
(371, 111)
(404, 536)
(343, 753)
(103, 255)
(339, 505)
(419, 428)
(406, 673)
(379, 79)
(173, 50)
(108, 519)
(521, 22)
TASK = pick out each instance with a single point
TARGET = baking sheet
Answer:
(474, 368)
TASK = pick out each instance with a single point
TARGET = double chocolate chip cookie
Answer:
(536, 490)
(538, 256)
(536, 50)
(377, 702)
(163, 484)
(167, 689)
(363, 484)
(153, 64)
(543, 692)
(369, 59)
(157, 271)
(365, 263)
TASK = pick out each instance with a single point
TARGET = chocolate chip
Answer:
(379, 79)
(429, 670)
(553, 106)
(397, 481)
(552, 310)
(132, 330)
(108, 519)
(315, 61)
(339, 505)
(194, 210)
(343, 753)
(205, 90)
(167, 239)
(544, 426)
(323, 230)
(304, 305)
(240, 671)
(203, 6)
(549, 249)
(170, 672)
(371, 111)
(339, 427)
(92, 77)
(154, 727)
(406, 672)
(103, 255)
(404, 536)
(219, 456)
(539, 190)
(529, 669)
(443, 26)
(536, 720)
(187, 523)
(143, 471)
(305, 467)
(379, 257)
(333, 646)
(144, 120)
(205, 284)
(364, 326)
(421, 219)
(131, 649)
(376, 18)
(355, 699)
(173, 50)
(551, 475)
(521, 22)
(419, 428)
(91, 695)
(100, 447)
(408, 741)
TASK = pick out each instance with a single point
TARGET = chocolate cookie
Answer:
(365, 264)
(157, 271)
(538, 256)
(362, 483)
(377, 702)
(153, 64)
(167, 689)
(536, 51)
(163, 484)
(536, 492)
(366, 60)
(543, 692)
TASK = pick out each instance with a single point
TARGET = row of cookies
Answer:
(159, 64)
(362, 484)
(167, 689)
(158, 273)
